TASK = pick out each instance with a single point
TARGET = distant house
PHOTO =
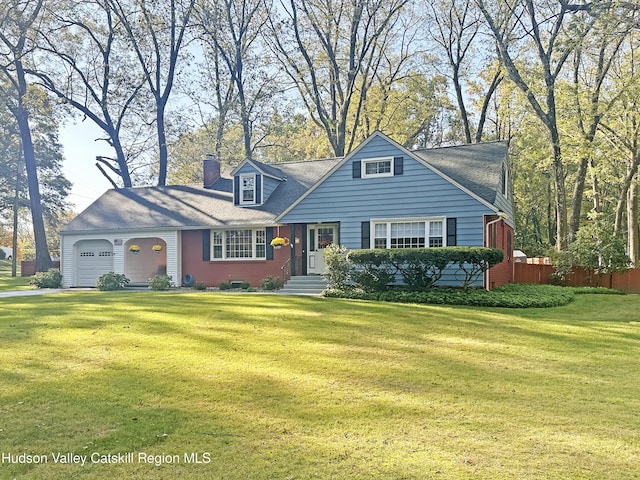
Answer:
(381, 195)
(8, 252)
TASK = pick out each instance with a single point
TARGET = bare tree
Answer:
(157, 35)
(87, 63)
(330, 51)
(230, 29)
(17, 21)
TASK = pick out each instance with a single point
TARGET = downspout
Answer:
(501, 217)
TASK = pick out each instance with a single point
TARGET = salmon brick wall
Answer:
(215, 272)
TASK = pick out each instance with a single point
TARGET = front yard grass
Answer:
(7, 282)
(276, 387)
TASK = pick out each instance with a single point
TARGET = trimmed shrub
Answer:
(420, 268)
(49, 279)
(373, 270)
(272, 283)
(225, 286)
(160, 282)
(112, 281)
(597, 291)
(473, 262)
(509, 296)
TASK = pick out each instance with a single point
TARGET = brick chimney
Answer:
(211, 170)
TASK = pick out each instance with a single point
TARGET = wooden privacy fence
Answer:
(28, 267)
(541, 274)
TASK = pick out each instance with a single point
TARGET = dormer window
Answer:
(248, 189)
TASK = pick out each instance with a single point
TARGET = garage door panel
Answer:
(93, 259)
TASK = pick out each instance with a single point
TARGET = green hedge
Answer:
(375, 269)
(510, 296)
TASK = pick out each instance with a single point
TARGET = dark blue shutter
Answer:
(452, 235)
(357, 169)
(268, 238)
(398, 165)
(366, 235)
(236, 190)
(206, 245)
(258, 189)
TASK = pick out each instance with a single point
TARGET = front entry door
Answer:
(319, 237)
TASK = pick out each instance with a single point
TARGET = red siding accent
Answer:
(213, 273)
(501, 273)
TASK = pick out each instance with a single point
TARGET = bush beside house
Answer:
(415, 269)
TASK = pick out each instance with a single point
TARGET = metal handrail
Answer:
(285, 269)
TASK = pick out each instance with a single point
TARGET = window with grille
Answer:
(239, 244)
(377, 167)
(408, 234)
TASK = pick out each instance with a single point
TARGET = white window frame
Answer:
(427, 223)
(219, 241)
(242, 189)
(368, 161)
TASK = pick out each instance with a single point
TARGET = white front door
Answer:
(319, 237)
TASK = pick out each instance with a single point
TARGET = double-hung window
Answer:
(248, 189)
(408, 233)
(239, 244)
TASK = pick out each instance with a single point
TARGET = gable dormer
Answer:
(253, 183)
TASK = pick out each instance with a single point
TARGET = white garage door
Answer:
(93, 258)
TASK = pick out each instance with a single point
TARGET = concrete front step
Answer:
(304, 285)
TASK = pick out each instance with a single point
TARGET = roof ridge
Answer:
(488, 142)
(303, 161)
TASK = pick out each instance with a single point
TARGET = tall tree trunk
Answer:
(560, 195)
(495, 82)
(461, 106)
(16, 207)
(595, 187)
(43, 259)
(626, 185)
(633, 229)
(162, 144)
(576, 203)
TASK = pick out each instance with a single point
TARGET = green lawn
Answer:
(7, 282)
(275, 387)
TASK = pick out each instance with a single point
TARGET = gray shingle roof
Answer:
(193, 207)
(476, 167)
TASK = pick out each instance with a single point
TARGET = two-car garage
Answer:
(93, 258)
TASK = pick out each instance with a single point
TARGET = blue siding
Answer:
(268, 186)
(505, 202)
(247, 168)
(417, 193)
